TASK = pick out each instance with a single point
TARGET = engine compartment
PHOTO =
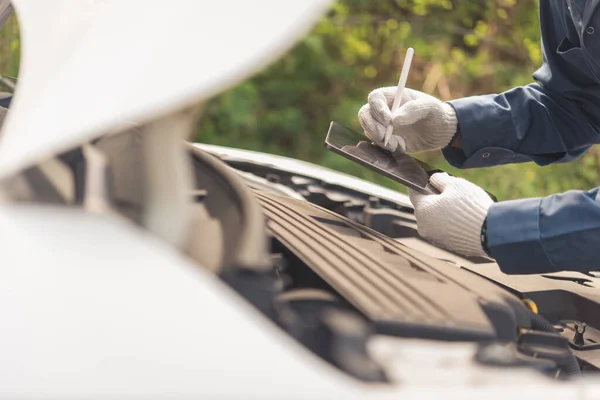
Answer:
(348, 266)
(337, 268)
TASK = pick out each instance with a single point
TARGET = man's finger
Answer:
(380, 109)
(373, 130)
(401, 143)
(440, 181)
(409, 113)
(376, 132)
(392, 144)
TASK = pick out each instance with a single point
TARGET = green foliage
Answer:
(10, 47)
(462, 48)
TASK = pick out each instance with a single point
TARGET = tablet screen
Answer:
(398, 166)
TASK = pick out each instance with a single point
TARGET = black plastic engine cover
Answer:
(402, 291)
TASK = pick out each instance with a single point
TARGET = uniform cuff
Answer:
(483, 123)
(486, 127)
(513, 234)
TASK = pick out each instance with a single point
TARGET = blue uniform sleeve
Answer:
(554, 233)
(553, 120)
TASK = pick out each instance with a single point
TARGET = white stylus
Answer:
(399, 91)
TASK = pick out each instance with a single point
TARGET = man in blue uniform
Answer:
(555, 120)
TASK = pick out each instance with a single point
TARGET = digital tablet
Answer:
(398, 166)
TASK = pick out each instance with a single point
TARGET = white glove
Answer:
(452, 219)
(422, 123)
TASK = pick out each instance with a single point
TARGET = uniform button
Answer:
(590, 30)
(485, 155)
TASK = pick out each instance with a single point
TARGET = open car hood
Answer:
(307, 169)
(91, 67)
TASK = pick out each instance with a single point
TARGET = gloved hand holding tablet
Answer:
(399, 166)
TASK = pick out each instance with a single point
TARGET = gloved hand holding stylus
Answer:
(418, 122)
(424, 122)
(396, 118)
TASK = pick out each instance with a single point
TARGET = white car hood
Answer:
(88, 67)
(310, 170)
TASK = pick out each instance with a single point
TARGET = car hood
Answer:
(91, 67)
(307, 169)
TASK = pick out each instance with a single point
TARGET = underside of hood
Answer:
(88, 68)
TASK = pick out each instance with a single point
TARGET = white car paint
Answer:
(94, 308)
(310, 170)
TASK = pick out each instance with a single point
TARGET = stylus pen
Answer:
(399, 91)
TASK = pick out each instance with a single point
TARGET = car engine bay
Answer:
(347, 266)
(338, 268)
(140, 264)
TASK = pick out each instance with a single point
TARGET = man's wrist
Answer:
(456, 142)
(456, 139)
(483, 236)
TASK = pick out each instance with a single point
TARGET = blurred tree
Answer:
(10, 47)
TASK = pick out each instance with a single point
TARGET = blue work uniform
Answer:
(555, 120)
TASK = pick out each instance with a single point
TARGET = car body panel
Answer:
(309, 170)
(101, 309)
